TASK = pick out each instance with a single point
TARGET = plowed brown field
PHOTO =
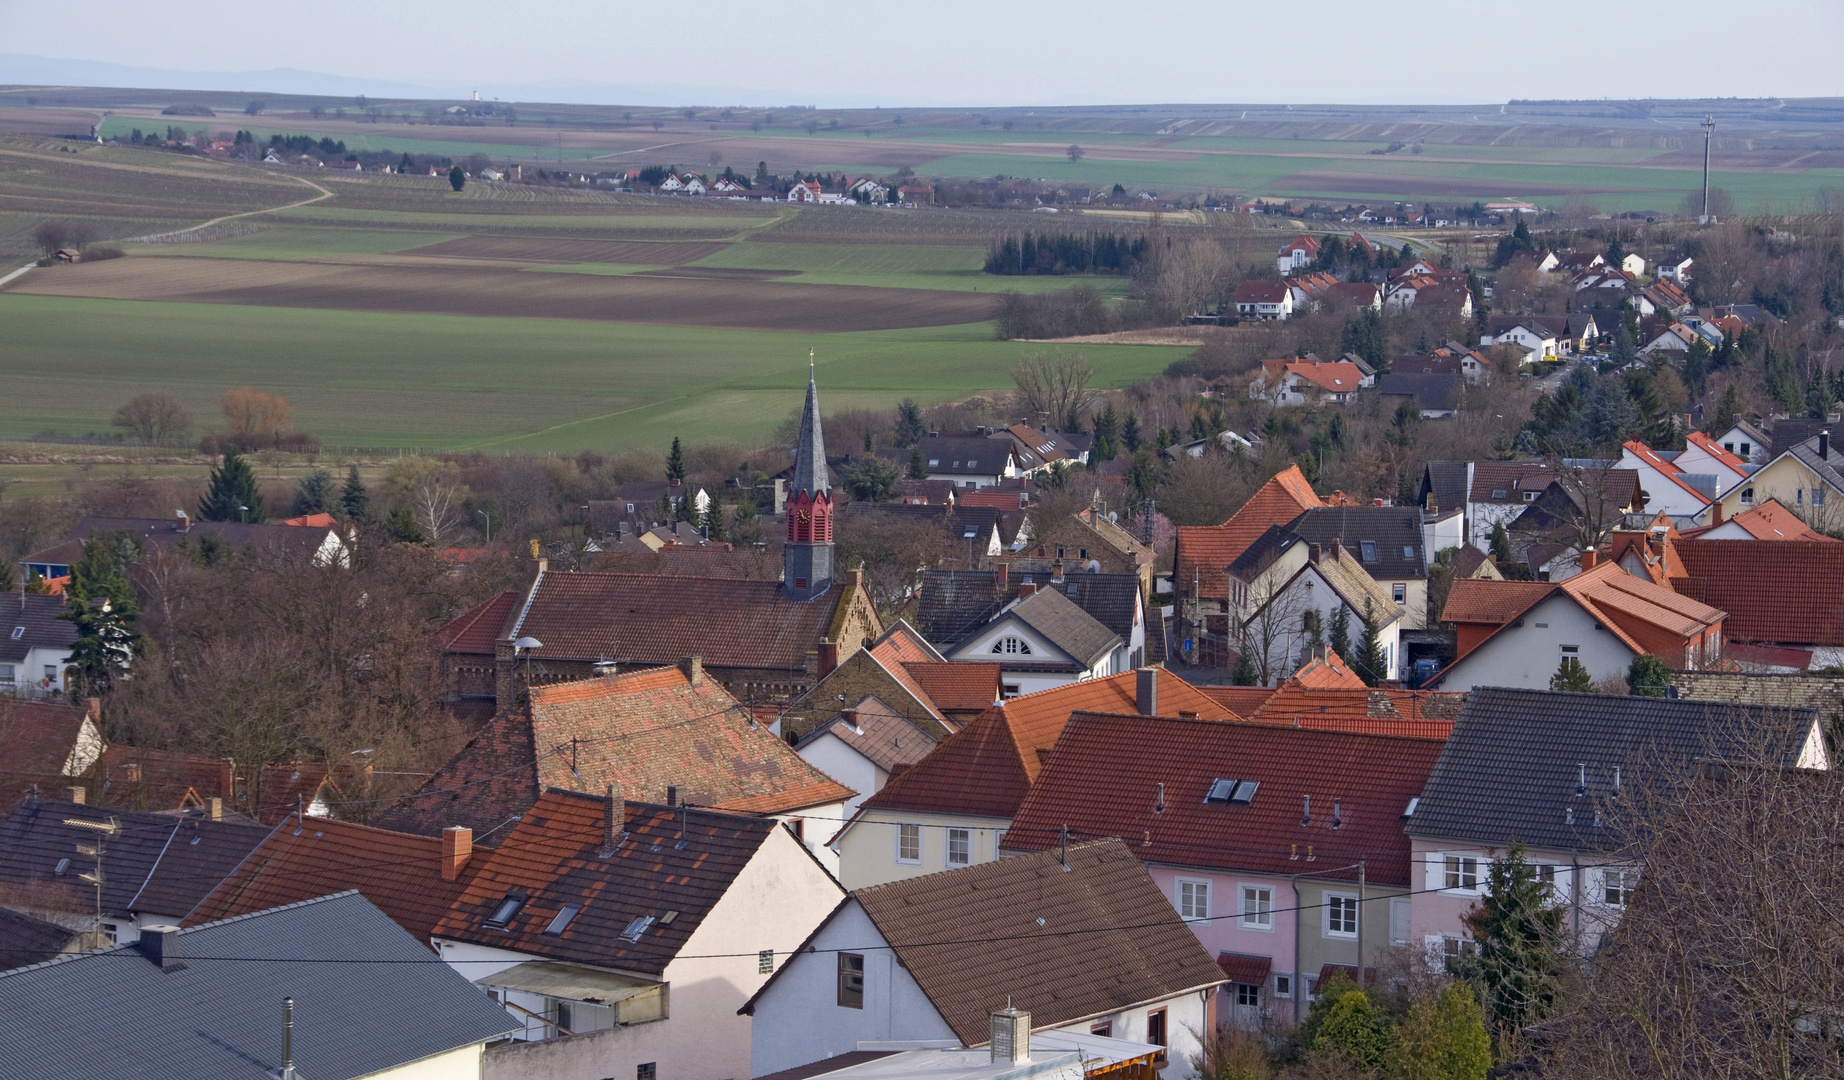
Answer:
(730, 304)
(540, 250)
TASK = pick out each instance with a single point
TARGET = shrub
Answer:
(1069, 313)
(102, 252)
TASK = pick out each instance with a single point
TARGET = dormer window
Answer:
(1011, 646)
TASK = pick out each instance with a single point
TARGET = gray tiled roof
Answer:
(35, 619)
(1794, 430)
(810, 472)
(1447, 481)
(1429, 391)
(1395, 532)
(115, 1013)
(25, 940)
(974, 456)
(955, 603)
(1511, 768)
(1068, 627)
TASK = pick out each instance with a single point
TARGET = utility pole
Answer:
(1360, 924)
(1709, 130)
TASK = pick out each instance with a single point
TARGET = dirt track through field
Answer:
(734, 304)
(540, 250)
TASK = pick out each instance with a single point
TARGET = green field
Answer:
(453, 382)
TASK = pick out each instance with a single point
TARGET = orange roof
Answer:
(317, 521)
(1483, 600)
(987, 769)
(1767, 521)
(1205, 550)
(1714, 449)
(1328, 672)
(1361, 710)
(1649, 618)
(959, 686)
(1241, 700)
(1665, 468)
(1332, 376)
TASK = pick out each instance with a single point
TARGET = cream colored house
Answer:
(1807, 478)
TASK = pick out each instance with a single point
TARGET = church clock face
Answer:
(804, 517)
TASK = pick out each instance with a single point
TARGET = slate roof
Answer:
(660, 619)
(1064, 625)
(883, 737)
(115, 1013)
(1825, 468)
(553, 857)
(1432, 391)
(986, 768)
(1103, 780)
(1790, 431)
(25, 940)
(1109, 938)
(33, 617)
(1395, 532)
(399, 873)
(975, 455)
(162, 864)
(1784, 592)
(810, 474)
(1511, 769)
(643, 731)
(1511, 477)
(1204, 551)
(956, 603)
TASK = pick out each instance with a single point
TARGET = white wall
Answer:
(1662, 493)
(1526, 656)
(867, 850)
(800, 1020)
(461, 1063)
(830, 755)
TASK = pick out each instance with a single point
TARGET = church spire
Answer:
(806, 570)
(810, 456)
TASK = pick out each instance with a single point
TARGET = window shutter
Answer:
(1399, 921)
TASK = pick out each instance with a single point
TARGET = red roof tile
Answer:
(475, 630)
(1363, 711)
(1241, 700)
(1247, 970)
(1327, 672)
(400, 873)
(1785, 593)
(1103, 780)
(1204, 551)
(958, 686)
(1767, 521)
(40, 739)
(1484, 600)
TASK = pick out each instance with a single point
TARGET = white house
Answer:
(1296, 382)
(671, 184)
(35, 646)
(1264, 300)
(1043, 639)
(1676, 269)
(805, 191)
(1676, 338)
(1684, 495)
(1296, 254)
(623, 939)
(1533, 339)
(870, 973)
(1704, 455)
(861, 746)
(1633, 263)
(1272, 603)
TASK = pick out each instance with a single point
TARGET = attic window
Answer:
(1012, 646)
(562, 920)
(1414, 802)
(933, 462)
(1498, 493)
(1369, 549)
(1408, 552)
(636, 928)
(1531, 496)
(1232, 792)
(972, 531)
(506, 911)
(18, 632)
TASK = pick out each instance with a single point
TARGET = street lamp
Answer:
(243, 514)
(489, 518)
(525, 645)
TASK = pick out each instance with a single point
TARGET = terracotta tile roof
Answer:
(1241, 700)
(1510, 477)
(400, 873)
(883, 736)
(1766, 521)
(474, 631)
(1362, 710)
(1332, 376)
(1714, 449)
(1204, 551)
(39, 740)
(1326, 672)
(1135, 949)
(134, 778)
(644, 731)
(1484, 600)
(1103, 780)
(553, 857)
(958, 686)
(904, 644)
(285, 786)
(1247, 970)
(1302, 242)
(1665, 468)
(987, 768)
(1637, 610)
(1785, 592)
(658, 619)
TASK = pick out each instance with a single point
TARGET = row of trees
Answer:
(1031, 253)
(251, 417)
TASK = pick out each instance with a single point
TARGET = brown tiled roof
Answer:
(1248, 970)
(1103, 780)
(1062, 945)
(1204, 551)
(958, 686)
(37, 739)
(1363, 711)
(1510, 477)
(1484, 600)
(1241, 700)
(987, 768)
(657, 619)
(400, 873)
(644, 731)
(1784, 592)
(133, 778)
(475, 630)
(553, 857)
(885, 737)
(1326, 672)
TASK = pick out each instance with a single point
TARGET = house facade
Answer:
(35, 648)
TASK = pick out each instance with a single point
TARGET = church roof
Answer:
(810, 456)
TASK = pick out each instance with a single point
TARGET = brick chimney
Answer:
(1314, 553)
(1146, 691)
(1338, 549)
(693, 667)
(74, 794)
(1027, 589)
(828, 657)
(214, 809)
(1001, 578)
(1590, 558)
(614, 821)
(1716, 512)
(181, 522)
(457, 848)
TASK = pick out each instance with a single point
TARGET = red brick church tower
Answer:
(807, 559)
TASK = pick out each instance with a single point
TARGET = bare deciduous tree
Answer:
(1055, 386)
(156, 418)
(253, 412)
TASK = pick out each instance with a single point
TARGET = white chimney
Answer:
(1011, 1035)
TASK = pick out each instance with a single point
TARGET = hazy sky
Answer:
(981, 52)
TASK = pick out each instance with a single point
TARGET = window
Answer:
(1368, 548)
(1193, 898)
(1399, 920)
(1283, 986)
(1246, 995)
(504, 913)
(1531, 496)
(1546, 876)
(1799, 496)
(1105, 1029)
(1619, 886)
(960, 847)
(1257, 907)
(1818, 496)
(851, 980)
(1008, 690)
(1462, 872)
(1012, 646)
(1236, 792)
(1408, 552)
(647, 1070)
(1340, 915)
(562, 919)
(6, 674)
(1399, 592)
(1155, 1028)
(1570, 652)
(1747, 496)
(18, 632)
(1453, 948)
(909, 843)
(639, 926)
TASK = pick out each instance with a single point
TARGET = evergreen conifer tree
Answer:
(675, 463)
(102, 605)
(1370, 666)
(1517, 927)
(918, 465)
(1648, 676)
(909, 429)
(354, 503)
(232, 495)
(1338, 632)
(314, 495)
(1571, 677)
(401, 527)
(1130, 432)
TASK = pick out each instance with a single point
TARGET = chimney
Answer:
(1313, 553)
(1824, 443)
(693, 667)
(1056, 572)
(1027, 589)
(457, 847)
(74, 794)
(181, 522)
(1716, 512)
(214, 809)
(1589, 558)
(614, 821)
(160, 944)
(1001, 578)
(1011, 1036)
(828, 659)
(1146, 691)
(93, 709)
(672, 795)
(851, 720)
(1338, 549)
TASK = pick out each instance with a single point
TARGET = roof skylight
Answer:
(636, 928)
(506, 911)
(562, 919)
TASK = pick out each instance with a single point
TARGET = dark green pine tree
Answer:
(1143, 474)
(1338, 632)
(102, 605)
(401, 527)
(909, 429)
(314, 495)
(675, 463)
(1571, 678)
(1517, 927)
(232, 495)
(1130, 432)
(918, 465)
(456, 178)
(1369, 665)
(354, 503)
(1245, 673)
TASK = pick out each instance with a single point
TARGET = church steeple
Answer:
(807, 556)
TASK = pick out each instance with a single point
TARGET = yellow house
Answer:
(1807, 478)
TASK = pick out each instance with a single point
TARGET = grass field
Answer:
(456, 382)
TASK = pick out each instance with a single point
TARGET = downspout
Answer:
(1294, 882)
(1575, 898)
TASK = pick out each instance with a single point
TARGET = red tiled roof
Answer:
(644, 732)
(1665, 468)
(986, 768)
(1103, 780)
(1327, 672)
(1247, 970)
(1766, 521)
(474, 631)
(1363, 711)
(553, 856)
(1241, 700)
(133, 778)
(1714, 449)
(958, 686)
(1332, 376)
(1205, 550)
(400, 873)
(1649, 618)
(1786, 592)
(37, 740)
(1261, 292)
(1484, 600)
